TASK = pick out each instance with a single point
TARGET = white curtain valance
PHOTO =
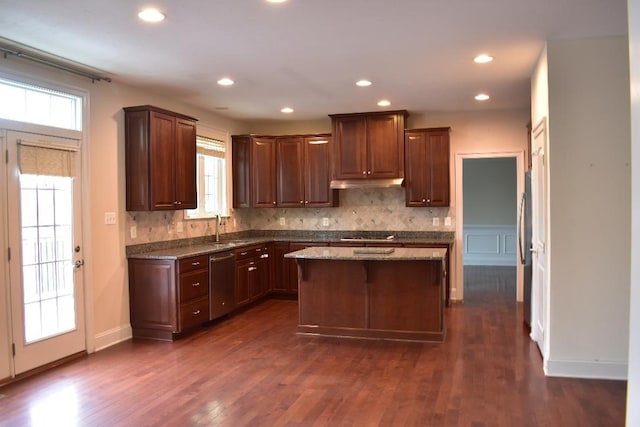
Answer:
(41, 158)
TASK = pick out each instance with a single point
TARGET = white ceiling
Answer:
(307, 54)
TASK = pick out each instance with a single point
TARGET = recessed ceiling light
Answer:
(482, 97)
(384, 103)
(225, 81)
(483, 59)
(287, 110)
(151, 15)
(276, 1)
(363, 83)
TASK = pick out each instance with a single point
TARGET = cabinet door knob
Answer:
(368, 172)
(301, 202)
(274, 202)
(424, 200)
(364, 172)
(428, 200)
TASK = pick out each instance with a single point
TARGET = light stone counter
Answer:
(370, 254)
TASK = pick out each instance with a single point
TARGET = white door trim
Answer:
(457, 291)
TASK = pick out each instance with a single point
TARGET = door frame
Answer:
(457, 292)
(86, 271)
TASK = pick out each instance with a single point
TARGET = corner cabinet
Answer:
(160, 151)
(427, 167)
(368, 145)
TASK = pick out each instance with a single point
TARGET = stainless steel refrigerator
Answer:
(525, 235)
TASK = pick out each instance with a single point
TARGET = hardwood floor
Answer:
(252, 370)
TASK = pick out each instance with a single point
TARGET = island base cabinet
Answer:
(338, 304)
(397, 300)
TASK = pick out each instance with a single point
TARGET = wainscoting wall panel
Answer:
(490, 245)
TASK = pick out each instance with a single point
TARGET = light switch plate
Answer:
(447, 221)
(133, 232)
(110, 218)
(282, 221)
(436, 221)
(325, 222)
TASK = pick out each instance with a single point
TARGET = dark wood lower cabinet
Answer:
(253, 273)
(168, 297)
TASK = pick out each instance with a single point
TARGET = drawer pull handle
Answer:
(243, 253)
(195, 263)
(195, 313)
(252, 268)
(195, 284)
(264, 256)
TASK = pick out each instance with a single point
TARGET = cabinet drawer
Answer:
(252, 252)
(194, 263)
(193, 285)
(194, 314)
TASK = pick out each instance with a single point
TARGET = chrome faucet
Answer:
(218, 224)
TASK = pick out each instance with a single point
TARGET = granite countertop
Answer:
(202, 246)
(369, 254)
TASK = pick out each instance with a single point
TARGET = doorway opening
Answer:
(490, 205)
(487, 203)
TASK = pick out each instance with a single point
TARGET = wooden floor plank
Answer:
(253, 370)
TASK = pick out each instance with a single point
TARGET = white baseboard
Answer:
(112, 336)
(591, 370)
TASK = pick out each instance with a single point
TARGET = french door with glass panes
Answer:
(45, 235)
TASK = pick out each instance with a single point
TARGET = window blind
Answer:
(39, 158)
(210, 146)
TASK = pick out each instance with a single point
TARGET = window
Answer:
(211, 169)
(32, 104)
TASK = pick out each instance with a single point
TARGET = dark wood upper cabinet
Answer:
(304, 171)
(254, 171)
(368, 145)
(291, 172)
(160, 151)
(241, 171)
(427, 167)
(282, 171)
(263, 156)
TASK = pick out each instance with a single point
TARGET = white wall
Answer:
(633, 385)
(589, 206)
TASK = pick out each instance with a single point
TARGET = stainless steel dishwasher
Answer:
(222, 284)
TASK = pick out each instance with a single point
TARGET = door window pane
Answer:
(47, 256)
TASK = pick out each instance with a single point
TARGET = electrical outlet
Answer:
(109, 218)
(436, 221)
(179, 227)
(325, 222)
(282, 221)
(133, 232)
(447, 221)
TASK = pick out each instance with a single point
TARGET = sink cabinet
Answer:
(368, 145)
(427, 167)
(168, 297)
(160, 152)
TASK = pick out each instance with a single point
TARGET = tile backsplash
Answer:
(371, 209)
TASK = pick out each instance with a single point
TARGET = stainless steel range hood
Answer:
(366, 183)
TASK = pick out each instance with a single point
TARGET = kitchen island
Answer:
(372, 292)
